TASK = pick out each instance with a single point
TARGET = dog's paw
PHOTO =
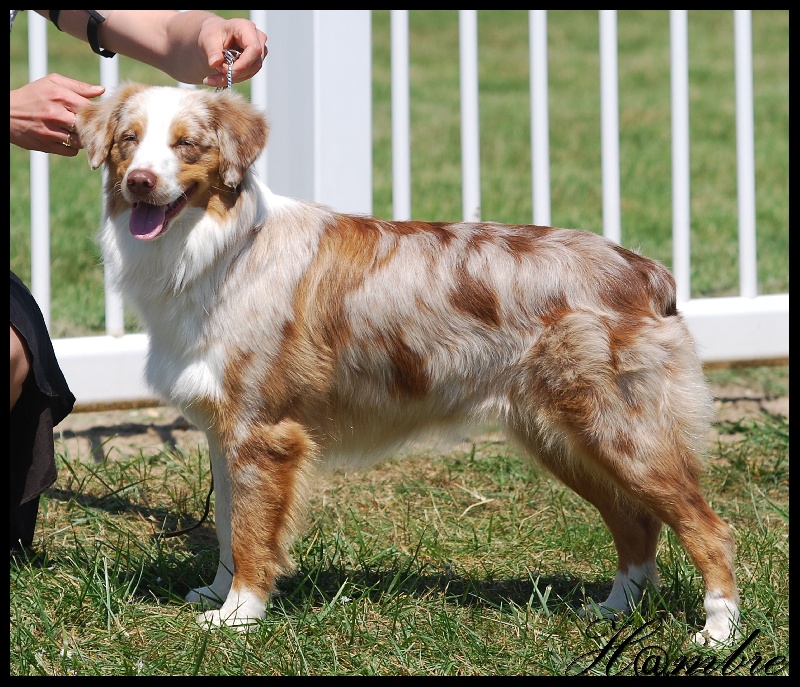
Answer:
(722, 626)
(591, 610)
(242, 610)
(717, 637)
(241, 623)
(205, 597)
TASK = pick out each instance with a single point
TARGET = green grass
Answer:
(465, 562)
(574, 101)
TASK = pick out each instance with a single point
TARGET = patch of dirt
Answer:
(98, 434)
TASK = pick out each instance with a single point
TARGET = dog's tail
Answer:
(658, 282)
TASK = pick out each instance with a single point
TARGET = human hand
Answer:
(43, 114)
(218, 34)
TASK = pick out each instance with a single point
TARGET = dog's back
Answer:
(294, 334)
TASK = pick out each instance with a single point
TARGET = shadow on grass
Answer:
(165, 569)
(165, 520)
(98, 436)
(380, 584)
(559, 593)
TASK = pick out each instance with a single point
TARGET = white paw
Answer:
(626, 592)
(211, 619)
(242, 610)
(719, 637)
(702, 638)
(722, 622)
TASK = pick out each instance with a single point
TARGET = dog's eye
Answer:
(127, 138)
(185, 142)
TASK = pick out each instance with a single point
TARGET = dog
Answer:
(296, 336)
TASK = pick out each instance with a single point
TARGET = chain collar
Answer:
(230, 57)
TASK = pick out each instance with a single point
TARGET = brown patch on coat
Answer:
(475, 298)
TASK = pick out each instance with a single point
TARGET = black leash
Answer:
(178, 533)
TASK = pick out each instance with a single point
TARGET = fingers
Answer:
(72, 96)
(60, 142)
(42, 117)
(65, 140)
(249, 63)
(80, 88)
(71, 143)
(65, 132)
(254, 51)
(243, 36)
(60, 99)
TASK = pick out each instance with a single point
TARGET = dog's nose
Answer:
(141, 182)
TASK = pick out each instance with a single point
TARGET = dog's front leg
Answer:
(267, 477)
(213, 595)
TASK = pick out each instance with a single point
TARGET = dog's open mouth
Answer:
(150, 221)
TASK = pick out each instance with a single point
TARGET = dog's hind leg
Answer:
(634, 530)
(631, 407)
(665, 489)
(671, 490)
(267, 471)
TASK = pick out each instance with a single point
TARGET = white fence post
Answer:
(40, 178)
(319, 102)
(115, 306)
(540, 117)
(745, 155)
(609, 124)
(470, 124)
(679, 85)
(401, 115)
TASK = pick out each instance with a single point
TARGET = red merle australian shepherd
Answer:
(296, 336)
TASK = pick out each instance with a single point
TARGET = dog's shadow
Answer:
(321, 586)
(170, 574)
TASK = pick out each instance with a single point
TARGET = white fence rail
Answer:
(319, 98)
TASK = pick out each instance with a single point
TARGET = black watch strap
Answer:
(95, 19)
(54, 18)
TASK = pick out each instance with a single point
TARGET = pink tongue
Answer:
(147, 221)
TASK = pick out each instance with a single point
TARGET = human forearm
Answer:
(186, 45)
(165, 39)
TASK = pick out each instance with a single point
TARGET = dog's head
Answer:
(166, 149)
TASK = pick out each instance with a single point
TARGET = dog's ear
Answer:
(242, 132)
(96, 123)
(96, 131)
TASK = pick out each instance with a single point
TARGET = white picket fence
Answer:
(319, 98)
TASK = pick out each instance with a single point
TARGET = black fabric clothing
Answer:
(45, 400)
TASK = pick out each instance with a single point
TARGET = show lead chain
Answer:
(230, 57)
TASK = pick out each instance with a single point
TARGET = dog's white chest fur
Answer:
(191, 288)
